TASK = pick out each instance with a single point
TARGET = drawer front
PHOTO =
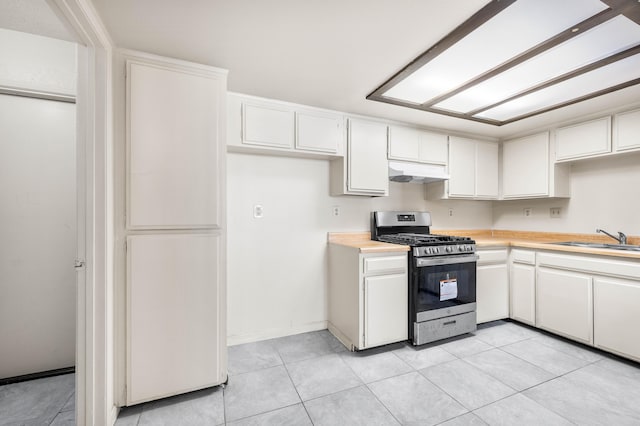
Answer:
(376, 265)
(491, 256)
(524, 256)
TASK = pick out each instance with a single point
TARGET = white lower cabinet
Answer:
(176, 328)
(616, 316)
(368, 297)
(564, 303)
(385, 309)
(522, 286)
(492, 285)
(523, 293)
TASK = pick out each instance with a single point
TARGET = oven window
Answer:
(442, 286)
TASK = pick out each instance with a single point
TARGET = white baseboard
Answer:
(272, 333)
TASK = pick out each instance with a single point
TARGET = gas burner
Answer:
(417, 240)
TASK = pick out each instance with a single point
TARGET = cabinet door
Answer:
(616, 316)
(404, 143)
(486, 170)
(434, 148)
(584, 139)
(462, 167)
(320, 132)
(267, 124)
(523, 293)
(385, 309)
(492, 293)
(525, 167)
(175, 317)
(174, 153)
(626, 130)
(368, 169)
(564, 304)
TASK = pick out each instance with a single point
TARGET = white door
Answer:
(37, 235)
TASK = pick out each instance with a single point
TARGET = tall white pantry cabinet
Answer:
(175, 227)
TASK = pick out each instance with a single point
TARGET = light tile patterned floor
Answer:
(503, 374)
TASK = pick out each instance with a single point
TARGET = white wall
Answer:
(277, 264)
(37, 63)
(605, 193)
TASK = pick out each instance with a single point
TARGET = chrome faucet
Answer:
(621, 238)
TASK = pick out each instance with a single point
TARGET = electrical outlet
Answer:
(335, 210)
(450, 212)
(258, 211)
(527, 212)
(554, 212)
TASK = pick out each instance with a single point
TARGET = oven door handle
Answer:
(445, 260)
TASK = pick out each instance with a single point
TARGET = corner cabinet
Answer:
(368, 297)
(492, 285)
(365, 169)
(473, 171)
(175, 227)
(528, 171)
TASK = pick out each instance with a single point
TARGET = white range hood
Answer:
(416, 172)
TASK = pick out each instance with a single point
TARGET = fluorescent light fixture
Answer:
(502, 64)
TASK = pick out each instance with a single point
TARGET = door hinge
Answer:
(79, 264)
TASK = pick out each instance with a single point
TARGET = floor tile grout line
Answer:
(445, 392)
(382, 403)
(542, 368)
(298, 393)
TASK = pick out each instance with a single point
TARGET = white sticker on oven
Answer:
(448, 289)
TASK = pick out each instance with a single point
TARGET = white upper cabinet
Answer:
(268, 126)
(473, 170)
(367, 165)
(486, 170)
(626, 131)
(173, 146)
(586, 139)
(528, 169)
(409, 144)
(525, 166)
(462, 167)
(318, 131)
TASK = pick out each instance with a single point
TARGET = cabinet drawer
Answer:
(375, 265)
(491, 256)
(524, 256)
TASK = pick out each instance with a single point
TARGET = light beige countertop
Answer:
(494, 238)
(362, 241)
(543, 241)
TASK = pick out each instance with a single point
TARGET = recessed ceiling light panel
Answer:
(512, 48)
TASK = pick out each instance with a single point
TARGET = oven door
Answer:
(444, 282)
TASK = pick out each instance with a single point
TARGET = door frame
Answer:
(94, 297)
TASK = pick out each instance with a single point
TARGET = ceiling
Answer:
(34, 17)
(328, 53)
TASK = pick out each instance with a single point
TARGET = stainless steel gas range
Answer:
(442, 275)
